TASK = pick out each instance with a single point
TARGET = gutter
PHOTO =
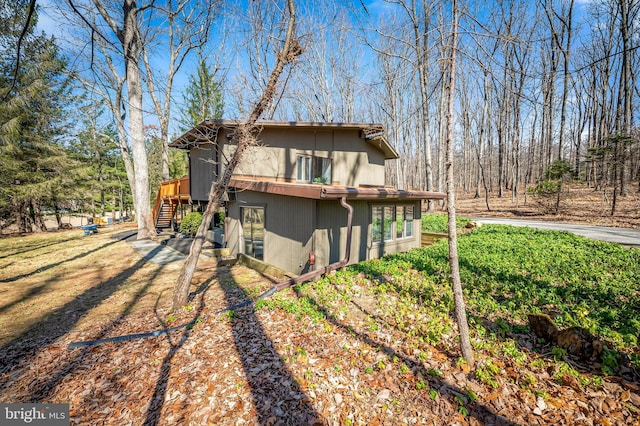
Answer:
(276, 288)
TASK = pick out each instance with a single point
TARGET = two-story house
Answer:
(288, 198)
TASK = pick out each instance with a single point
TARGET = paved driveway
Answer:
(628, 237)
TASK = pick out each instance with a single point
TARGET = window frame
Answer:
(303, 165)
(314, 169)
(392, 222)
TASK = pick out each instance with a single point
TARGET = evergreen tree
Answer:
(103, 187)
(203, 97)
(34, 164)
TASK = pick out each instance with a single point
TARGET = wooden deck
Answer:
(172, 193)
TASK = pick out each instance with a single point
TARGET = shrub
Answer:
(190, 223)
(218, 219)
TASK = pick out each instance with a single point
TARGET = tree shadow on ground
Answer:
(508, 329)
(41, 389)
(123, 236)
(520, 290)
(268, 377)
(18, 353)
(477, 410)
(37, 246)
(156, 401)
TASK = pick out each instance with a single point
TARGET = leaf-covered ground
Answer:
(579, 204)
(372, 344)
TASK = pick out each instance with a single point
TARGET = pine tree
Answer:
(34, 164)
(203, 97)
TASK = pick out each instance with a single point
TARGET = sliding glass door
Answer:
(253, 230)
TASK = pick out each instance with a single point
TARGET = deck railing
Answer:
(175, 190)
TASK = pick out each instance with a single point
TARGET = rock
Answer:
(384, 394)
(541, 404)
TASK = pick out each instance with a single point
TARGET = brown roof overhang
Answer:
(319, 192)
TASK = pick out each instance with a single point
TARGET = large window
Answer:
(313, 169)
(322, 170)
(253, 230)
(390, 223)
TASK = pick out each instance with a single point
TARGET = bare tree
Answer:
(456, 283)
(324, 84)
(187, 28)
(118, 25)
(244, 136)
(418, 19)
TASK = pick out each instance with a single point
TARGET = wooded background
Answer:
(546, 91)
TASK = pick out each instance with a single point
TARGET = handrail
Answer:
(174, 189)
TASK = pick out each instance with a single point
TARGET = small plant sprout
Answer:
(486, 373)
(230, 315)
(558, 353)
(462, 401)
(434, 372)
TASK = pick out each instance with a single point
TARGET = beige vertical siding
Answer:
(202, 171)
(354, 161)
(288, 228)
(296, 226)
(331, 232)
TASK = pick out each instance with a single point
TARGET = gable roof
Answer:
(206, 132)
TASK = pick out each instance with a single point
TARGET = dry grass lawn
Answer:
(65, 283)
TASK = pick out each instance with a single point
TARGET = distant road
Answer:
(628, 237)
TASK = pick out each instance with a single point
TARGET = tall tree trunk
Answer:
(244, 136)
(460, 309)
(422, 50)
(131, 43)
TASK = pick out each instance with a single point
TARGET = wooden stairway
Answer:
(171, 195)
(165, 216)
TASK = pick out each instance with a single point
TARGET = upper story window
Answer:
(304, 168)
(314, 169)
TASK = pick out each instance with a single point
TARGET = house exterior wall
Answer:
(354, 161)
(331, 249)
(202, 170)
(289, 227)
(331, 232)
(382, 248)
(294, 227)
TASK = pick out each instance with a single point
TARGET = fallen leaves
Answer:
(273, 367)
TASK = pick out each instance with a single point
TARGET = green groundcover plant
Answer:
(507, 272)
